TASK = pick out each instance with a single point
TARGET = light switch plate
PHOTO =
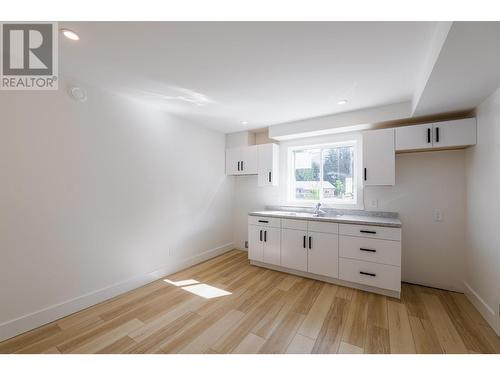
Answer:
(438, 215)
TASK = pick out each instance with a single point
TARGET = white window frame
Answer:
(353, 140)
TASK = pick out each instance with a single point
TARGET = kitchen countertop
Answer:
(343, 219)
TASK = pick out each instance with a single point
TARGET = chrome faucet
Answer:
(318, 211)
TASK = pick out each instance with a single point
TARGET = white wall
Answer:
(432, 252)
(240, 139)
(483, 212)
(98, 194)
(249, 197)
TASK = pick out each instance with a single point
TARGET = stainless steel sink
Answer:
(302, 214)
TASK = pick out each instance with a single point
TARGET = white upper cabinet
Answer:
(249, 160)
(455, 133)
(445, 134)
(241, 160)
(262, 160)
(268, 164)
(233, 161)
(415, 137)
(379, 160)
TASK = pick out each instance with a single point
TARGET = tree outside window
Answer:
(323, 173)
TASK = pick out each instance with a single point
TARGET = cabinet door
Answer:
(232, 159)
(379, 160)
(293, 249)
(255, 243)
(268, 164)
(416, 137)
(248, 159)
(455, 133)
(323, 255)
(272, 246)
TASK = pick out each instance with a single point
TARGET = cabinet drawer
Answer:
(324, 227)
(294, 224)
(370, 231)
(373, 274)
(264, 221)
(371, 250)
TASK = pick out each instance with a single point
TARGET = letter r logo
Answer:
(27, 49)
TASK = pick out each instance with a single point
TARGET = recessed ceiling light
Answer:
(70, 34)
(342, 102)
(244, 122)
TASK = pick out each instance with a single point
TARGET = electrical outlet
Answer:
(373, 203)
(438, 215)
(246, 244)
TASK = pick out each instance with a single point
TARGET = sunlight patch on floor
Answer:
(182, 282)
(206, 291)
(200, 289)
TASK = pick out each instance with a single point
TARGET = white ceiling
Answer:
(466, 71)
(219, 74)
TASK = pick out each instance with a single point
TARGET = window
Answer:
(323, 173)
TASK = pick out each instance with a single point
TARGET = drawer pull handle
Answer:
(304, 243)
(369, 250)
(367, 274)
(368, 231)
(263, 221)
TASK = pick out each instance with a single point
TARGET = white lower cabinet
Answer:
(323, 254)
(371, 250)
(373, 274)
(313, 252)
(371, 256)
(255, 245)
(366, 257)
(272, 246)
(264, 244)
(294, 249)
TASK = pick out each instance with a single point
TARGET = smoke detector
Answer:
(78, 94)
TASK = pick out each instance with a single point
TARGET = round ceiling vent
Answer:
(78, 94)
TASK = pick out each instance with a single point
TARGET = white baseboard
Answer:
(38, 318)
(489, 314)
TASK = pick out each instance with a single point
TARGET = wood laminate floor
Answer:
(265, 312)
